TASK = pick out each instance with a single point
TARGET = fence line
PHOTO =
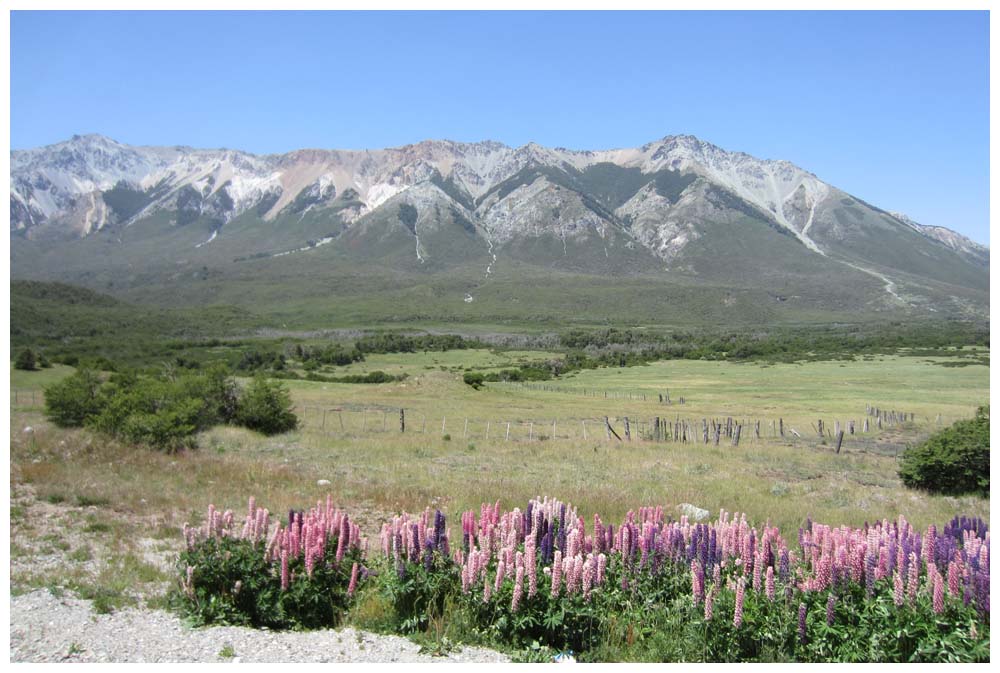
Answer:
(354, 420)
(36, 397)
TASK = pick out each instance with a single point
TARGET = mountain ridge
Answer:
(668, 210)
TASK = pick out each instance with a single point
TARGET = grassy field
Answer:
(783, 479)
(102, 520)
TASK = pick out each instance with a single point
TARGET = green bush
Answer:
(474, 379)
(25, 360)
(70, 402)
(162, 413)
(266, 407)
(232, 583)
(953, 461)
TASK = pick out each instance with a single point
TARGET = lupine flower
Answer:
(587, 576)
(954, 574)
(353, 584)
(897, 584)
(738, 612)
(189, 582)
(769, 583)
(518, 588)
(602, 564)
(709, 598)
(830, 604)
(285, 579)
(938, 593)
(697, 582)
(501, 571)
(802, 623)
(556, 573)
(911, 587)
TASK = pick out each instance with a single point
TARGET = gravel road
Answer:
(44, 628)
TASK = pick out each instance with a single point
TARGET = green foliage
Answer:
(72, 401)
(162, 412)
(266, 407)
(25, 360)
(474, 379)
(388, 342)
(953, 461)
(419, 592)
(233, 584)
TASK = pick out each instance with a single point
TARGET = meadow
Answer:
(372, 466)
(78, 498)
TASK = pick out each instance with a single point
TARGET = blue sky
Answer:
(892, 107)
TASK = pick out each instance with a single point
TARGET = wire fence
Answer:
(358, 420)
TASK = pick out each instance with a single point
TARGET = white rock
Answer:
(692, 512)
(323, 482)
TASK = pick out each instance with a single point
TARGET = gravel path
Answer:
(44, 628)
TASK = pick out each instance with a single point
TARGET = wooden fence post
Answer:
(840, 439)
(402, 421)
(611, 431)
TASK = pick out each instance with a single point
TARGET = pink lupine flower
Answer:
(530, 561)
(587, 577)
(285, 579)
(602, 564)
(501, 571)
(938, 593)
(911, 587)
(738, 612)
(927, 549)
(515, 602)
(576, 573)
(354, 579)
(556, 573)
(897, 585)
(954, 575)
(769, 584)
(757, 564)
(709, 598)
(487, 592)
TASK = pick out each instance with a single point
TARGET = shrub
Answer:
(953, 461)
(25, 360)
(70, 402)
(266, 407)
(474, 379)
(235, 573)
(157, 412)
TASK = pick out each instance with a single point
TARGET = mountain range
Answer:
(678, 229)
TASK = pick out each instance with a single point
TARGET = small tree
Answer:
(25, 360)
(72, 401)
(953, 461)
(266, 407)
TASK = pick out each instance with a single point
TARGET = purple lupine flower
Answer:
(802, 624)
(831, 602)
(783, 566)
(870, 565)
